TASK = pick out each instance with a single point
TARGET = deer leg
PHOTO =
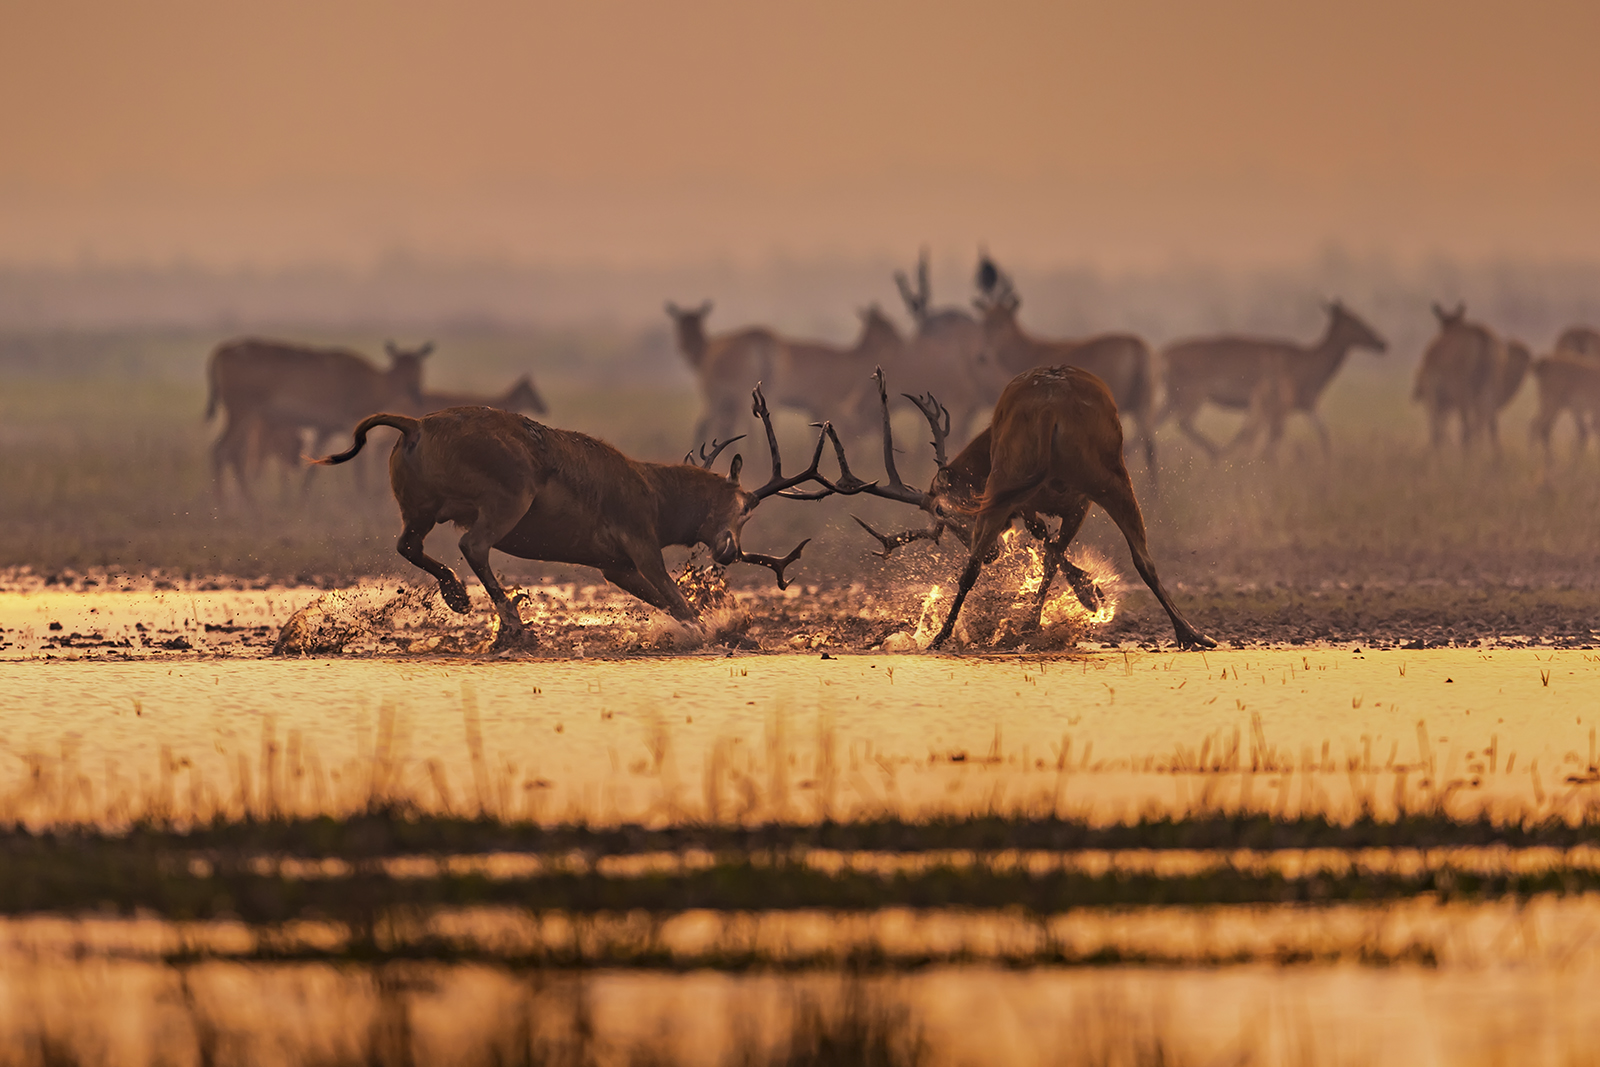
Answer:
(496, 518)
(652, 569)
(985, 542)
(1322, 435)
(1186, 424)
(1119, 502)
(1055, 559)
(450, 587)
(632, 582)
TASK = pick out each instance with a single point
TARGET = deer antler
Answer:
(777, 484)
(716, 450)
(938, 417)
(774, 562)
(894, 541)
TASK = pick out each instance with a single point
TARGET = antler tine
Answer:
(716, 450)
(778, 483)
(938, 417)
(891, 542)
(777, 565)
(847, 484)
(888, 431)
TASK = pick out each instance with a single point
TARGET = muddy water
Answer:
(799, 736)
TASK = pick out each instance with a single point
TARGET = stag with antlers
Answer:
(537, 492)
(1053, 448)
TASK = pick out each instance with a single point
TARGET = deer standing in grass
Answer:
(943, 355)
(1053, 448)
(271, 439)
(1268, 379)
(1566, 380)
(1120, 360)
(1468, 371)
(820, 379)
(265, 387)
(536, 492)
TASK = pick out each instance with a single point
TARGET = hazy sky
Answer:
(1116, 132)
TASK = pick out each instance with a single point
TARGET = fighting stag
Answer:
(1470, 371)
(537, 492)
(1053, 448)
(1267, 378)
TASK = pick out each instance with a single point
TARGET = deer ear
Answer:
(673, 309)
(735, 467)
(424, 351)
(388, 346)
(705, 307)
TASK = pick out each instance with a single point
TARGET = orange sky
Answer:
(1116, 132)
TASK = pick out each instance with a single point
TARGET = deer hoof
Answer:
(1195, 639)
(1089, 596)
(455, 596)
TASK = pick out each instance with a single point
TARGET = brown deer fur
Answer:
(537, 492)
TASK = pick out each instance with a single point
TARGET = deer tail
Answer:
(409, 429)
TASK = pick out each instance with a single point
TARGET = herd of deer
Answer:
(1053, 446)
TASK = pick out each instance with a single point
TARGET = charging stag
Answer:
(541, 493)
(817, 378)
(1269, 379)
(1470, 372)
(1120, 360)
(1053, 448)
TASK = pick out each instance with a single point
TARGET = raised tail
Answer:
(409, 429)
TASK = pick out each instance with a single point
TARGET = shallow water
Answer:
(798, 736)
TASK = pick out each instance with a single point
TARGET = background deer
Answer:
(1122, 361)
(943, 355)
(1565, 383)
(819, 379)
(1467, 370)
(557, 495)
(1267, 378)
(262, 438)
(266, 386)
(1053, 448)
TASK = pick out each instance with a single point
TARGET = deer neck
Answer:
(685, 496)
(692, 342)
(1324, 359)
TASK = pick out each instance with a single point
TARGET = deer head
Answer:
(731, 509)
(405, 368)
(525, 397)
(1344, 325)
